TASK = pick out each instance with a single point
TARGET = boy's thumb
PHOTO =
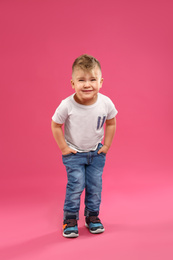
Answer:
(100, 151)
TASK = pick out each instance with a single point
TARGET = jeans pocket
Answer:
(104, 154)
(66, 155)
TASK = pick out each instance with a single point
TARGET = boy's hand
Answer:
(103, 149)
(67, 150)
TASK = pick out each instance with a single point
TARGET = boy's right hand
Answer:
(68, 150)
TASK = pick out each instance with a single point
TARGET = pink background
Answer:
(133, 41)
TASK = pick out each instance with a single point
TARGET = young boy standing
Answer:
(83, 115)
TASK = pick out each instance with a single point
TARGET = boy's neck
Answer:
(85, 102)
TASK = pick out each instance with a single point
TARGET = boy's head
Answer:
(86, 79)
(86, 62)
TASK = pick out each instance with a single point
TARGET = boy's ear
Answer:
(101, 82)
(72, 83)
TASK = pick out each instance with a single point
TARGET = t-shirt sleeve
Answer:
(60, 114)
(112, 111)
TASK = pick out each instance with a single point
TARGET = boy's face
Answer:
(87, 84)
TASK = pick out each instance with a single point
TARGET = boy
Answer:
(83, 115)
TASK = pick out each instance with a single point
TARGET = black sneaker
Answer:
(94, 225)
(70, 228)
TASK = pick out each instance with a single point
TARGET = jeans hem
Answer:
(67, 213)
(88, 213)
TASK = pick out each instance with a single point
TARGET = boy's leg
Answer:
(93, 183)
(93, 189)
(75, 185)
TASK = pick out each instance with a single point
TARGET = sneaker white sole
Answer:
(70, 235)
(98, 231)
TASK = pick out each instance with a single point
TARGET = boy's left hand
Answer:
(103, 149)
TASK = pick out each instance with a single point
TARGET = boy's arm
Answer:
(109, 134)
(59, 138)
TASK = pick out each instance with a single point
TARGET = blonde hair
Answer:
(86, 62)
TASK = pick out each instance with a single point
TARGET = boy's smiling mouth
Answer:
(87, 90)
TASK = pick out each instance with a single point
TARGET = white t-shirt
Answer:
(83, 125)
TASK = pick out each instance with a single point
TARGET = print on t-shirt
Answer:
(100, 122)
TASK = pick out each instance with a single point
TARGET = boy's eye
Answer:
(81, 80)
(93, 80)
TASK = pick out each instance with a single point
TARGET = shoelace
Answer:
(71, 222)
(94, 219)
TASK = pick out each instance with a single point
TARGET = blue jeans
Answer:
(84, 170)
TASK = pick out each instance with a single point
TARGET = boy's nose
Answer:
(87, 84)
